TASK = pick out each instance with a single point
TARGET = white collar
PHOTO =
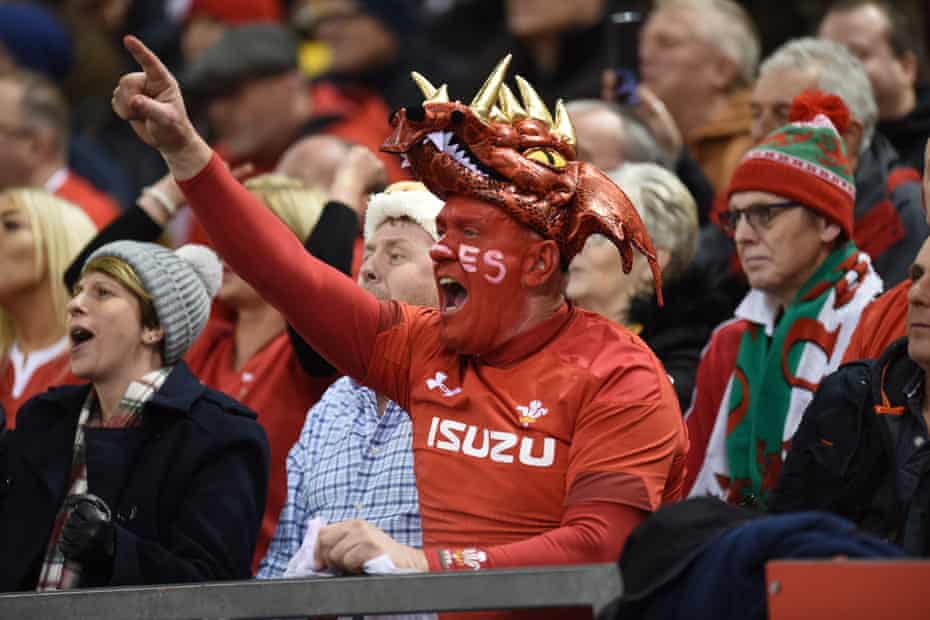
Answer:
(24, 367)
(55, 181)
(760, 308)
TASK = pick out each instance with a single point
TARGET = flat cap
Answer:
(242, 53)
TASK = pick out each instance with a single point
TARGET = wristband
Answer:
(462, 559)
(162, 199)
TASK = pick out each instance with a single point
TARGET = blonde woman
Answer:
(678, 331)
(246, 349)
(39, 237)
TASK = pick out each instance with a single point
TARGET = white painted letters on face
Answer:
(468, 256)
(495, 259)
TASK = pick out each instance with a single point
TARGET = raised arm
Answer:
(327, 309)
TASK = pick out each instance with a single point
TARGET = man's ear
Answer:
(829, 230)
(852, 139)
(725, 72)
(910, 66)
(540, 262)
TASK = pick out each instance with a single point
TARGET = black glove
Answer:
(88, 535)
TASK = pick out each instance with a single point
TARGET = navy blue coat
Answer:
(186, 486)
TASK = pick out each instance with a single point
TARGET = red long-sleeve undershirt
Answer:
(340, 320)
(332, 313)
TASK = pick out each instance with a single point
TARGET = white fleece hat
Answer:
(408, 199)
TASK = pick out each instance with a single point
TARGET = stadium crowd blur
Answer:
(792, 328)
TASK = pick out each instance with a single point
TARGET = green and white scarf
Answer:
(778, 368)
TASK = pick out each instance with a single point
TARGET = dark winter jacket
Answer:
(702, 558)
(909, 134)
(186, 487)
(842, 458)
(890, 225)
(678, 331)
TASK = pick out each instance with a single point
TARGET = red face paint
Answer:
(478, 267)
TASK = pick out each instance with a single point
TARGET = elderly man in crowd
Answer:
(888, 43)
(355, 443)
(888, 220)
(791, 215)
(34, 128)
(564, 473)
(609, 136)
(699, 58)
(258, 103)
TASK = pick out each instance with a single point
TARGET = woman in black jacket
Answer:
(144, 475)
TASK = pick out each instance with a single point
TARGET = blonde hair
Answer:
(60, 230)
(122, 272)
(668, 210)
(295, 204)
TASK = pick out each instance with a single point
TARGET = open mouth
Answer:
(79, 336)
(452, 295)
(447, 142)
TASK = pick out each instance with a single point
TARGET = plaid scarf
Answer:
(58, 573)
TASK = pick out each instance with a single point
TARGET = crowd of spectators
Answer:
(774, 328)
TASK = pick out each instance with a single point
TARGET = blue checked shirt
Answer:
(348, 464)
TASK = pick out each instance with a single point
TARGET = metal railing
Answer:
(590, 586)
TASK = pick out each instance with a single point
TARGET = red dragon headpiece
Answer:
(517, 157)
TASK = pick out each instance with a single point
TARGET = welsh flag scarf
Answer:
(776, 375)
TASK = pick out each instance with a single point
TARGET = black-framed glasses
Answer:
(759, 216)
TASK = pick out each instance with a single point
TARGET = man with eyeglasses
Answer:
(790, 212)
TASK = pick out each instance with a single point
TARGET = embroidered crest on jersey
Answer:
(529, 414)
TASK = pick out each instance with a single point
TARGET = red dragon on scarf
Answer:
(517, 157)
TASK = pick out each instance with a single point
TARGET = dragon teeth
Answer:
(404, 162)
(440, 139)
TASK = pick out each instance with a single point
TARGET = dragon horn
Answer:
(509, 104)
(486, 97)
(498, 116)
(563, 124)
(426, 88)
(534, 104)
(441, 96)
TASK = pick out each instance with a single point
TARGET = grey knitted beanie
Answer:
(182, 285)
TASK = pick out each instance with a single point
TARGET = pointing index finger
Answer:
(150, 63)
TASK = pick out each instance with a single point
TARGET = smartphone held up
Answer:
(623, 55)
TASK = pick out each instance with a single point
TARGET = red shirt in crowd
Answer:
(41, 370)
(548, 453)
(883, 321)
(76, 189)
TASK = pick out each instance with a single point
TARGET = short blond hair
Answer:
(60, 230)
(122, 272)
(295, 204)
(668, 210)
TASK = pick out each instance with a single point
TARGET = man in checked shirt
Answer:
(354, 458)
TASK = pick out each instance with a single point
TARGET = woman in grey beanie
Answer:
(155, 477)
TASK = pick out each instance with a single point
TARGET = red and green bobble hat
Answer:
(805, 160)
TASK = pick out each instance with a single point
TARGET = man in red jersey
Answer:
(543, 434)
